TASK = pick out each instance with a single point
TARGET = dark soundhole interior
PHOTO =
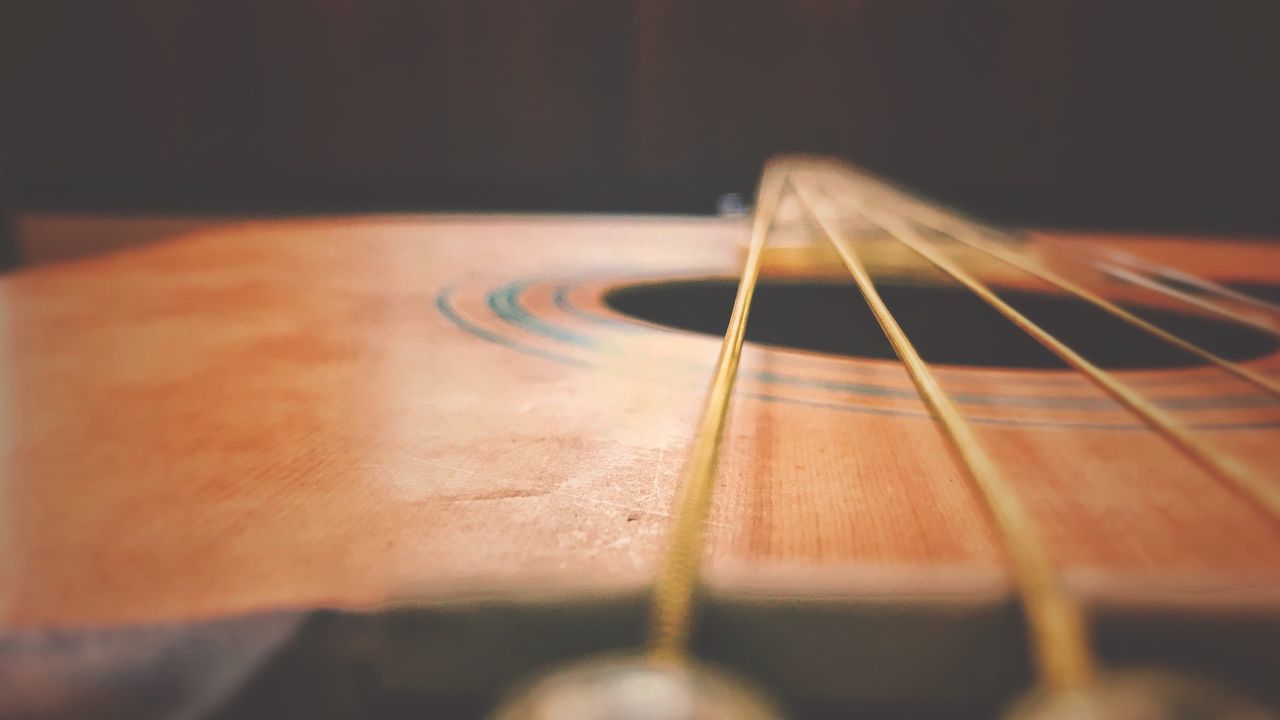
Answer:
(948, 325)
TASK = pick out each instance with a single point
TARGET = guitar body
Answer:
(459, 439)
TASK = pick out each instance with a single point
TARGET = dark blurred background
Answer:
(1152, 115)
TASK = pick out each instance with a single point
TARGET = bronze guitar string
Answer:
(1172, 275)
(1142, 281)
(1056, 623)
(665, 680)
(965, 231)
(1055, 619)
(671, 612)
(1220, 464)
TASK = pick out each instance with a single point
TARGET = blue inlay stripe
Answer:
(507, 308)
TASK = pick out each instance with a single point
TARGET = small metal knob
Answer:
(1142, 695)
(636, 688)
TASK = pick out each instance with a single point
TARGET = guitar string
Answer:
(1145, 282)
(1056, 624)
(671, 611)
(1174, 275)
(961, 230)
(1217, 462)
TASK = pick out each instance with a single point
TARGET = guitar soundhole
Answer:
(949, 326)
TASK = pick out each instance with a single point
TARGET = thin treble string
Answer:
(1055, 620)
(1186, 278)
(671, 612)
(1143, 281)
(1221, 464)
(963, 231)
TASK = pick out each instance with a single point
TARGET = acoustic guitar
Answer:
(855, 455)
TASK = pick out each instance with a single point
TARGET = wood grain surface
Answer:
(356, 412)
